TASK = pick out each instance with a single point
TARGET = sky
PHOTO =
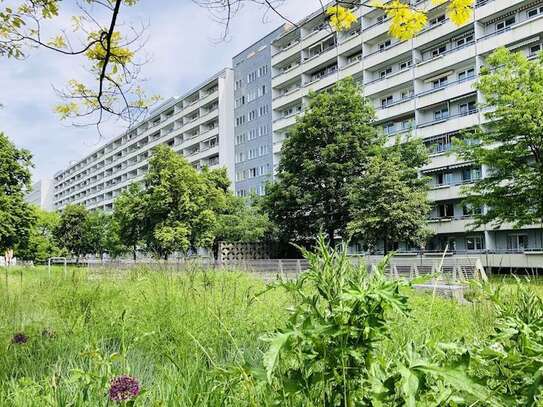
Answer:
(183, 47)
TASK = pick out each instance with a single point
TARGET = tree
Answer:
(96, 232)
(511, 144)
(16, 216)
(40, 244)
(71, 232)
(389, 203)
(128, 213)
(329, 147)
(110, 50)
(177, 205)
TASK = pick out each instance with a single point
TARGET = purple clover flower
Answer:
(123, 388)
(19, 338)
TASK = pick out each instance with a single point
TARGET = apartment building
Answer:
(198, 125)
(41, 194)
(420, 88)
(252, 115)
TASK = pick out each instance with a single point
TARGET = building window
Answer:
(471, 174)
(263, 110)
(445, 210)
(240, 101)
(467, 108)
(534, 50)
(386, 101)
(405, 64)
(468, 210)
(263, 71)
(251, 77)
(467, 39)
(504, 24)
(239, 83)
(384, 45)
(441, 114)
(440, 83)
(252, 115)
(439, 50)
(534, 12)
(241, 138)
(443, 178)
(385, 72)
(240, 120)
(467, 74)
(437, 20)
(474, 243)
(517, 242)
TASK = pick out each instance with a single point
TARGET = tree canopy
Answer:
(16, 216)
(510, 145)
(326, 151)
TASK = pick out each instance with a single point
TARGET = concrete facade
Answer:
(41, 194)
(420, 88)
(197, 125)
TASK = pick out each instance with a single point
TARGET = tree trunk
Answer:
(331, 236)
(134, 252)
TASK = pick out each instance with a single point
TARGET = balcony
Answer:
(382, 56)
(285, 53)
(487, 8)
(285, 121)
(449, 58)
(448, 125)
(326, 56)
(322, 82)
(391, 81)
(375, 30)
(395, 109)
(351, 42)
(450, 91)
(430, 33)
(450, 225)
(290, 97)
(528, 28)
(444, 193)
(287, 75)
(353, 69)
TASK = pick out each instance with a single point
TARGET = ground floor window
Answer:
(474, 243)
(517, 242)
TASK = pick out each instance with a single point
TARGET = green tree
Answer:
(389, 203)
(177, 205)
(511, 144)
(40, 244)
(96, 232)
(16, 216)
(128, 213)
(327, 150)
(71, 232)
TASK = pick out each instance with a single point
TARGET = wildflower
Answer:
(19, 338)
(123, 388)
(48, 333)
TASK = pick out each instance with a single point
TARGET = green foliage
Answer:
(389, 203)
(72, 231)
(511, 144)
(328, 149)
(181, 209)
(16, 215)
(41, 243)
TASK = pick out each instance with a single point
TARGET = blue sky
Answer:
(184, 50)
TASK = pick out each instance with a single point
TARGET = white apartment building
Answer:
(421, 87)
(41, 194)
(198, 125)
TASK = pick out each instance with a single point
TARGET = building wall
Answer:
(197, 125)
(252, 115)
(41, 194)
(420, 88)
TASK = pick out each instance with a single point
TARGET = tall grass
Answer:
(182, 335)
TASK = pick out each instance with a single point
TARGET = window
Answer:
(354, 58)
(263, 149)
(443, 178)
(239, 83)
(517, 242)
(253, 172)
(407, 94)
(467, 39)
(253, 133)
(252, 115)
(405, 64)
(261, 91)
(263, 130)
(467, 74)
(407, 124)
(240, 157)
(241, 138)
(264, 110)
(469, 211)
(240, 101)
(388, 128)
(467, 108)
(385, 72)
(440, 145)
(439, 83)
(241, 193)
(471, 174)
(386, 101)
(474, 243)
(263, 71)
(439, 50)
(535, 49)
(441, 114)
(384, 45)
(251, 77)
(445, 210)
(381, 19)
(504, 24)
(437, 20)
(240, 120)
(253, 153)
(534, 12)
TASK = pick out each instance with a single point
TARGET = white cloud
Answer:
(184, 51)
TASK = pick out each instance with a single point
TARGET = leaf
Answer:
(271, 356)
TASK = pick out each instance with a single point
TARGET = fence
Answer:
(448, 268)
